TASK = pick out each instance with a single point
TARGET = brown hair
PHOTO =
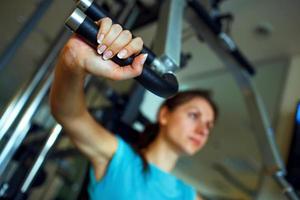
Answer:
(152, 130)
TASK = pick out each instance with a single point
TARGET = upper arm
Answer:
(92, 139)
(68, 105)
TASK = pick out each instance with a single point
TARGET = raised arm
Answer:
(67, 98)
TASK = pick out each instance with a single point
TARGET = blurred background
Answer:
(231, 166)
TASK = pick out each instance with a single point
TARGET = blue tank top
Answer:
(124, 179)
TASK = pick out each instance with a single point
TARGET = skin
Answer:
(68, 105)
(183, 131)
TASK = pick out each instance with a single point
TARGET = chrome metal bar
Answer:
(222, 45)
(18, 40)
(167, 45)
(42, 156)
(17, 104)
(164, 85)
(288, 190)
(263, 130)
(55, 132)
(216, 30)
(22, 128)
(94, 12)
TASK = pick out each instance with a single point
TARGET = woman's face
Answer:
(187, 127)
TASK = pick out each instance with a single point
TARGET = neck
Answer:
(162, 154)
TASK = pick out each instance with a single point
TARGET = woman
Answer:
(120, 171)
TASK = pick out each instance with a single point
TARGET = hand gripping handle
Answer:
(164, 85)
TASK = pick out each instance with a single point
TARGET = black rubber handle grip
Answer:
(95, 12)
(163, 86)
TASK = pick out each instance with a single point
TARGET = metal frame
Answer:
(22, 128)
(168, 32)
(225, 49)
(27, 28)
(21, 131)
(19, 101)
(167, 45)
(53, 136)
(35, 92)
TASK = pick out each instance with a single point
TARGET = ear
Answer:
(163, 116)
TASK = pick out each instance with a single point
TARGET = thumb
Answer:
(138, 63)
(133, 70)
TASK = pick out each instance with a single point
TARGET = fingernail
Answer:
(144, 58)
(101, 37)
(122, 53)
(101, 49)
(107, 55)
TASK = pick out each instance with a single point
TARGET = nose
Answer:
(202, 128)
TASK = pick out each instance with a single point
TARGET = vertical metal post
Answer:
(167, 45)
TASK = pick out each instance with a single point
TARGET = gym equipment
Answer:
(241, 69)
(18, 40)
(164, 86)
(19, 101)
(223, 46)
(167, 43)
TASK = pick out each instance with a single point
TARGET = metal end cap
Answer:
(75, 19)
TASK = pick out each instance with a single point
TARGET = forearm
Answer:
(67, 93)
(69, 109)
(67, 99)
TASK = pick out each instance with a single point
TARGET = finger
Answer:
(130, 71)
(104, 27)
(110, 37)
(119, 43)
(133, 48)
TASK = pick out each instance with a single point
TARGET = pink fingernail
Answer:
(107, 55)
(101, 37)
(101, 49)
(122, 53)
(144, 58)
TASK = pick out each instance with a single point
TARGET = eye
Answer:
(194, 115)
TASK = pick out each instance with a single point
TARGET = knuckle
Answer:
(117, 27)
(70, 47)
(106, 20)
(105, 24)
(139, 41)
(127, 34)
(69, 57)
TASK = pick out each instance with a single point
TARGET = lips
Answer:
(195, 141)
